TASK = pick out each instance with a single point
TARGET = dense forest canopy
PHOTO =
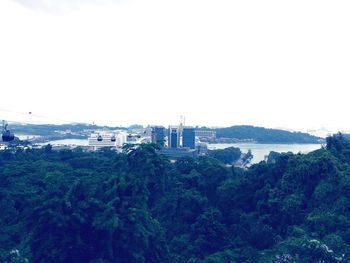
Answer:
(227, 156)
(264, 135)
(75, 206)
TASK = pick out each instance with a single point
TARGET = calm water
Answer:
(76, 142)
(259, 151)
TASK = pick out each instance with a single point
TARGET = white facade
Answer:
(121, 137)
(107, 139)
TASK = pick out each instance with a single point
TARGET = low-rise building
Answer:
(209, 134)
(106, 139)
(176, 153)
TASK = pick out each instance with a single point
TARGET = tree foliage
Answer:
(264, 135)
(137, 206)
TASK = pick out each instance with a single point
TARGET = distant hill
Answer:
(53, 129)
(263, 135)
(234, 133)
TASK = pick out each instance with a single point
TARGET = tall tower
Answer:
(188, 137)
(158, 134)
(173, 137)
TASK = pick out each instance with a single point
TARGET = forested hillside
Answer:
(72, 206)
(264, 135)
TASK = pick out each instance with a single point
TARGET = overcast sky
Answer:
(219, 63)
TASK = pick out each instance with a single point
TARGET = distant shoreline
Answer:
(254, 142)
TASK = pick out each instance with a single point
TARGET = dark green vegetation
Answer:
(227, 156)
(72, 206)
(263, 135)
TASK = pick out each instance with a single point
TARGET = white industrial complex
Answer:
(115, 139)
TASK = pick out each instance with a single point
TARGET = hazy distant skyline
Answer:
(219, 63)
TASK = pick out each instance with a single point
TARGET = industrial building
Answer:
(205, 135)
(104, 139)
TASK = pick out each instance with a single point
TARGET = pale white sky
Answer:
(221, 63)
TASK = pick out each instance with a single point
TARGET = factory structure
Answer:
(105, 139)
(114, 140)
(174, 137)
(177, 141)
